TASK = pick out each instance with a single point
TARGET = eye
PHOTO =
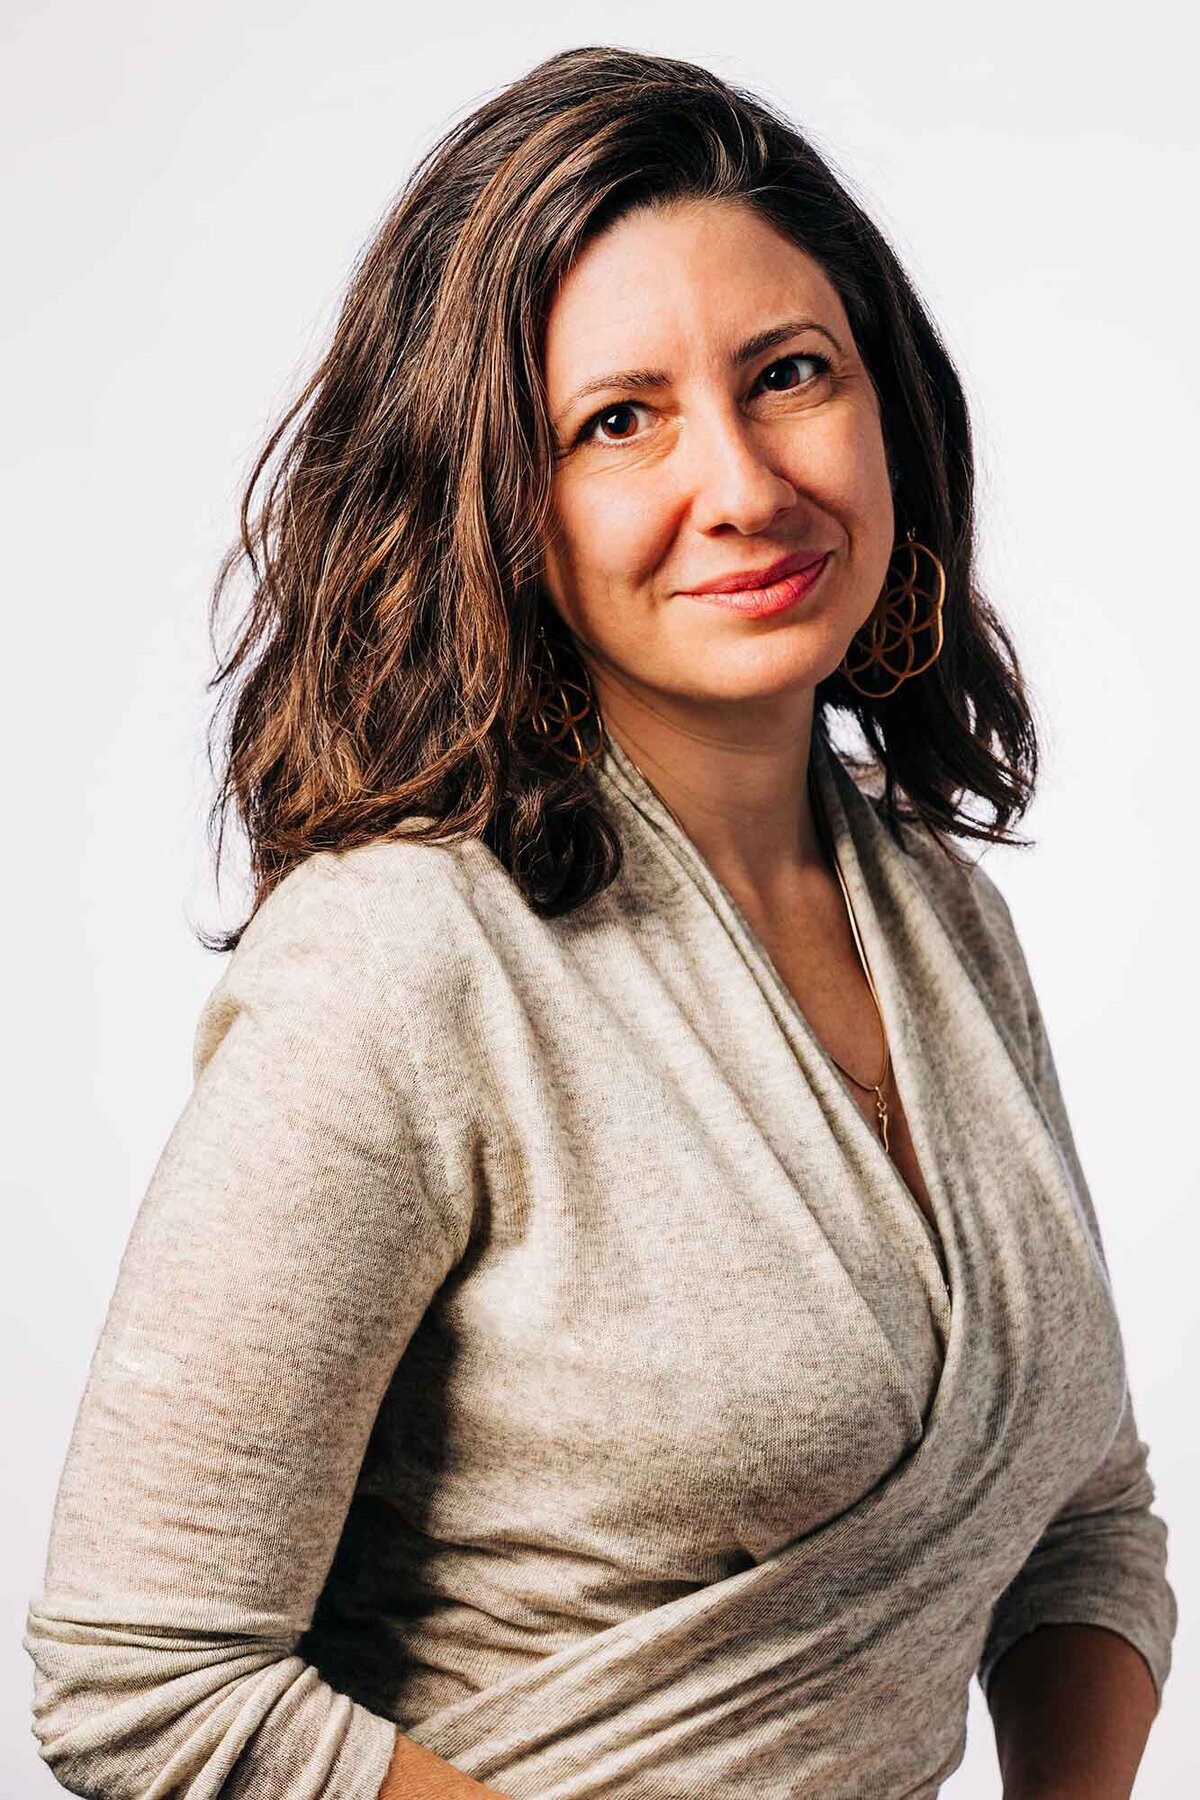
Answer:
(624, 410)
(619, 422)
(784, 364)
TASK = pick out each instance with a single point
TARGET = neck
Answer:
(742, 797)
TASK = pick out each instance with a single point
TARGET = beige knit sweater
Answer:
(524, 1340)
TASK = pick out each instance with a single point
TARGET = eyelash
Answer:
(823, 363)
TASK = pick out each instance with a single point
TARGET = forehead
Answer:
(674, 285)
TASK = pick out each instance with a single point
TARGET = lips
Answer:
(777, 597)
(750, 581)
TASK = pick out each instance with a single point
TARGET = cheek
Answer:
(858, 461)
(845, 466)
(609, 532)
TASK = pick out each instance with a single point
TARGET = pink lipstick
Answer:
(757, 593)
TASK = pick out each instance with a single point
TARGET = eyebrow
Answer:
(632, 380)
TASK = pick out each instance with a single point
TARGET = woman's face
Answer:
(699, 453)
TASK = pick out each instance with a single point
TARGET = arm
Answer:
(1079, 1645)
(416, 1773)
(1100, 1561)
(1072, 1706)
(292, 1235)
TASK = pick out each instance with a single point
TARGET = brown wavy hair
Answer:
(386, 670)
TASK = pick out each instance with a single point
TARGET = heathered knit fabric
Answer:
(525, 1341)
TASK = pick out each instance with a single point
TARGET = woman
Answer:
(620, 1312)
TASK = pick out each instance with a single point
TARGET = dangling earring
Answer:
(554, 716)
(887, 641)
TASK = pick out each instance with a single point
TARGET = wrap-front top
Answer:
(525, 1342)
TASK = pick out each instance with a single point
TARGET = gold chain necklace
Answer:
(870, 1087)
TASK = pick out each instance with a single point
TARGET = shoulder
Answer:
(398, 894)
(338, 1024)
(395, 929)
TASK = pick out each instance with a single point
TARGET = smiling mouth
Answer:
(775, 596)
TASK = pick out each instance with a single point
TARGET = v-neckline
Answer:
(932, 1241)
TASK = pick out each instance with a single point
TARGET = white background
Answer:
(186, 188)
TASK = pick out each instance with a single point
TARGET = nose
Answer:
(734, 480)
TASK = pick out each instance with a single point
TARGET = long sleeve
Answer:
(1102, 1558)
(291, 1237)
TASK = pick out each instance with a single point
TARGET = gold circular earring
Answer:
(904, 614)
(555, 716)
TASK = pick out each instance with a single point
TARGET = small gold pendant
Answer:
(881, 1108)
